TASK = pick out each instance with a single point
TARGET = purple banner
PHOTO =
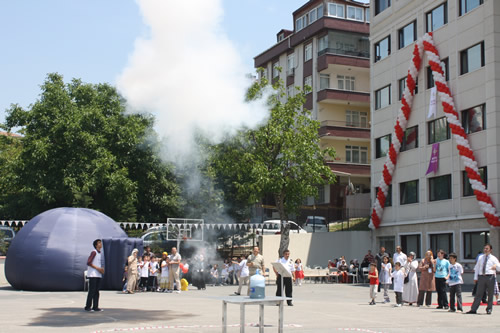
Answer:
(434, 162)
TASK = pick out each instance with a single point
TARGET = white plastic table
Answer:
(245, 300)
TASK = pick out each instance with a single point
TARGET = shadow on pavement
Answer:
(71, 317)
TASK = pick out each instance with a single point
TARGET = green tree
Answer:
(281, 158)
(81, 149)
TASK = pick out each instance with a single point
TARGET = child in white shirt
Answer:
(385, 277)
(399, 277)
(455, 282)
(145, 273)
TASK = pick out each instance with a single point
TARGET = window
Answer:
(437, 17)
(336, 10)
(324, 81)
(474, 243)
(290, 90)
(441, 242)
(388, 199)
(408, 192)
(408, 34)
(402, 87)
(466, 186)
(474, 119)
(322, 43)
(290, 64)
(411, 243)
(472, 58)
(381, 5)
(312, 16)
(468, 5)
(345, 82)
(389, 242)
(383, 97)
(440, 188)
(382, 146)
(438, 130)
(308, 82)
(410, 139)
(444, 67)
(356, 154)
(383, 48)
(367, 14)
(308, 50)
(301, 23)
(356, 119)
(276, 71)
(321, 194)
(355, 13)
(263, 73)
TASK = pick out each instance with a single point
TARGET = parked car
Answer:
(155, 236)
(6, 236)
(316, 224)
(273, 227)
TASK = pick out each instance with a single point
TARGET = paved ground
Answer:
(318, 308)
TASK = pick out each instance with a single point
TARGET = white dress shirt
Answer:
(401, 258)
(492, 260)
(290, 266)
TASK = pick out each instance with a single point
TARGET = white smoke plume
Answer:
(188, 74)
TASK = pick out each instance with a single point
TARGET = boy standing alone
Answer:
(95, 270)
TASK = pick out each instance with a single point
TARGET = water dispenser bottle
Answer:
(257, 286)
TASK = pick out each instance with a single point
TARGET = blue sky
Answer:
(93, 39)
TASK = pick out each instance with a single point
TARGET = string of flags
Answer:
(230, 226)
(206, 226)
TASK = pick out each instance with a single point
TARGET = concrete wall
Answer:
(315, 249)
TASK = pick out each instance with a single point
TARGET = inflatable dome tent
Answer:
(50, 252)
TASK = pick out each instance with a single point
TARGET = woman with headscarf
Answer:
(410, 291)
(427, 285)
(132, 271)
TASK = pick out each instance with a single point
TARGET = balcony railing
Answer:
(351, 53)
(354, 124)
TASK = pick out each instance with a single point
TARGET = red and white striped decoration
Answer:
(467, 155)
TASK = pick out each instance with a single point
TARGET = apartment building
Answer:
(438, 210)
(329, 50)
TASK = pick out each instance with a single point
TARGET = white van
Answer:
(273, 227)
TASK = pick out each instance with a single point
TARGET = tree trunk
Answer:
(285, 227)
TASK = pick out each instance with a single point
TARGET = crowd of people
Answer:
(436, 274)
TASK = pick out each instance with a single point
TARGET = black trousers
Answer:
(456, 290)
(484, 283)
(93, 295)
(441, 291)
(288, 287)
(428, 297)
(399, 297)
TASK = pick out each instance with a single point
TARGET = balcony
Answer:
(342, 129)
(352, 169)
(341, 57)
(331, 95)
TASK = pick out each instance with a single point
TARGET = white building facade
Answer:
(438, 210)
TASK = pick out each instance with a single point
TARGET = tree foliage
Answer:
(81, 149)
(281, 158)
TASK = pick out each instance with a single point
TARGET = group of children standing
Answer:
(396, 275)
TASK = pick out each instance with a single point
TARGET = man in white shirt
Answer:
(485, 277)
(95, 270)
(287, 281)
(399, 256)
(243, 276)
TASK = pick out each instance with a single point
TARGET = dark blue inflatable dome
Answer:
(50, 252)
